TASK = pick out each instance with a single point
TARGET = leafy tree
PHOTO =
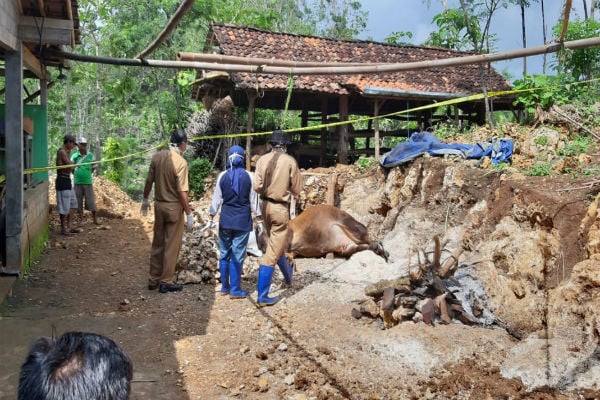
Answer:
(454, 26)
(398, 38)
(580, 63)
(542, 92)
(116, 149)
(342, 19)
(199, 169)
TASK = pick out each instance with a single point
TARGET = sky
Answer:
(387, 16)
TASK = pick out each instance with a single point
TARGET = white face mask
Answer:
(234, 156)
(176, 146)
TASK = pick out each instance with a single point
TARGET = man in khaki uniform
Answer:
(168, 173)
(277, 180)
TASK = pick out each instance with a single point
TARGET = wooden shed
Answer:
(321, 97)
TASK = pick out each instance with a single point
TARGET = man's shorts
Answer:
(65, 200)
(85, 192)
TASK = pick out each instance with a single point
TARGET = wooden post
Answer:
(456, 116)
(343, 129)
(250, 128)
(304, 123)
(324, 132)
(376, 109)
(14, 159)
(331, 189)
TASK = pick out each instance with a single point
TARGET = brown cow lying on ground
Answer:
(324, 229)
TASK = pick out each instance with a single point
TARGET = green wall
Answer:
(40, 140)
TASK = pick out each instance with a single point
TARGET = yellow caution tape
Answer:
(320, 126)
(44, 169)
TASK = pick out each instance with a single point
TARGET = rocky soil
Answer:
(528, 270)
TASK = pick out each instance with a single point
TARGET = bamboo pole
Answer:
(183, 8)
(274, 62)
(367, 69)
(250, 128)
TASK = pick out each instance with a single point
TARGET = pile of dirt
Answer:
(111, 202)
(111, 199)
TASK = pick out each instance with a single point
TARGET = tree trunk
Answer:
(478, 49)
(68, 105)
(524, 37)
(96, 139)
(544, 36)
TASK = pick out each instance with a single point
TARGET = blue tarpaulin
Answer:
(419, 143)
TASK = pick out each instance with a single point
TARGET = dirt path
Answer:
(95, 281)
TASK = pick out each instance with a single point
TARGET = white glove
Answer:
(189, 222)
(145, 207)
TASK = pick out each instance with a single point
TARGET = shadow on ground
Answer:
(95, 281)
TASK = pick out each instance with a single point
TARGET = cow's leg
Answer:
(350, 248)
(377, 248)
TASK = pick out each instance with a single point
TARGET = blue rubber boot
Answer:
(235, 277)
(265, 274)
(224, 269)
(286, 269)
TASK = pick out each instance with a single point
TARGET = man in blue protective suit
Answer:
(236, 198)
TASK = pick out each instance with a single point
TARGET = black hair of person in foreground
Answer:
(75, 366)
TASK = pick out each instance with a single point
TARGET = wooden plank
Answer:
(9, 12)
(32, 63)
(45, 30)
(343, 130)
(331, 189)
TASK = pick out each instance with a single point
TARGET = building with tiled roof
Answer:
(348, 94)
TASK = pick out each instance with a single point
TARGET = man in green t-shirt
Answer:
(83, 179)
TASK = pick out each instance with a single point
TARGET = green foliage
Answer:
(447, 129)
(539, 170)
(453, 31)
(399, 38)
(581, 144)
(594, 171)
(390, 142)
(542, 91)
(541, 140)
(121, 170)
(579, 63)
(365, 163)
(501, 166)
(342, 19)
(115, 171)
(199, 169)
